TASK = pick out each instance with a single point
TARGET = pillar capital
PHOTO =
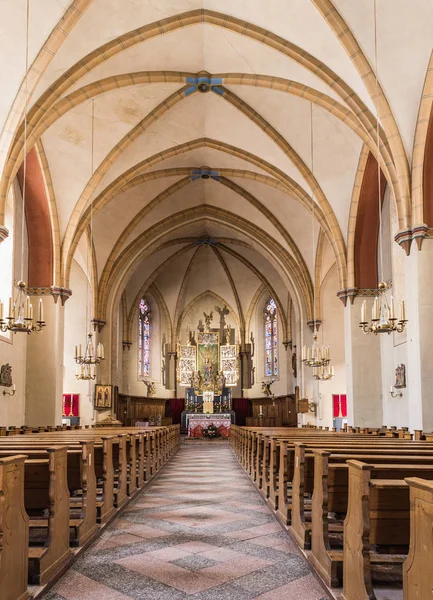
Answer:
(418, 233)
(98, 324)
(60, 292)
(314, 325)
(4, 233)
(126, 344)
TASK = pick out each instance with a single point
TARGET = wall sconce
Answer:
(395, 394)
(312, 407)
(12, 393)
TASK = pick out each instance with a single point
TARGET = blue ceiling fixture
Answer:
(205, 174)
(203, 84)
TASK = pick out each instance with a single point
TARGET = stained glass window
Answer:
(271, 339)
(143, 338)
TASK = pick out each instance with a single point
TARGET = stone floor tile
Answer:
(193, 534)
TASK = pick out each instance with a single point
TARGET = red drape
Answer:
(241, 407)
(70, 405)
(177, 405)
(338, 399)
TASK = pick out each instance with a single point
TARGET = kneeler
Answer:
(197, 431)
(224, 431)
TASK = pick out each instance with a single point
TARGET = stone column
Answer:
(363, 368)
(44, 368)
(419, 299)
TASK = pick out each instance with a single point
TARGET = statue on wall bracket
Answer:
(400, 376)
(6, 375)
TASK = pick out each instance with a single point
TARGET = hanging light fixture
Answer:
(317, 356)
(20, 313)
(88, 362)
(383, 319)
(323, 373)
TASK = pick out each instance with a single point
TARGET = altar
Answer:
(197, 423)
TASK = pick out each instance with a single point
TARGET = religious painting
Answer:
(229, 364)
(400, 377)
(207, 357)
(187, 365)
(103, 396)
(70, 405)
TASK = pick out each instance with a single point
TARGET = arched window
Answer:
(271, 339)
(143, 338)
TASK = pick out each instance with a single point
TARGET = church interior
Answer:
(215, 315)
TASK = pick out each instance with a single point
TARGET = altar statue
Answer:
(220, 381)
(197, 381)
(208, 320)
(208, 371)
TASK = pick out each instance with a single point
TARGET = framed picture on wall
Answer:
(103, 396)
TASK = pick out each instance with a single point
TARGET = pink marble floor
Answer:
(200, 530)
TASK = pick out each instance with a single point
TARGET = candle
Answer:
(392, 309)
(81, 353)
(304, 352)
(11, 308)
(41, 310)
(261, 409)
(308, 353)
(102, 352)
(402, 311)
(27, 311)
(364, 312)
(375, 315)
(76, 351)
(390, 389)
(31, 312)
(14, 388)
(1, 311)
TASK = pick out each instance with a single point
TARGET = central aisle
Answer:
(200, 530)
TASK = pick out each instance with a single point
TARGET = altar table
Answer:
(198, 422)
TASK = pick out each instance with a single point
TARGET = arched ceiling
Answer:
(202, 131)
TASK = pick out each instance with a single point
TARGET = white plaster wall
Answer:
(76, 330)
(13, 347)
(332, 330)
(393, 347)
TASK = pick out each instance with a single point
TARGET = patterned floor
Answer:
(199, 531)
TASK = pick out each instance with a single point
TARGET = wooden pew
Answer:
(417, 571)
(378, 517)
(14, 530)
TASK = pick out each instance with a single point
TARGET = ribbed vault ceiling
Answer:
(202, 131)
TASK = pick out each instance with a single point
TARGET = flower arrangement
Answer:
(211, 432)
(190, 406)
(225, 407)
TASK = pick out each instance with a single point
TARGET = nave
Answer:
(200, 531)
